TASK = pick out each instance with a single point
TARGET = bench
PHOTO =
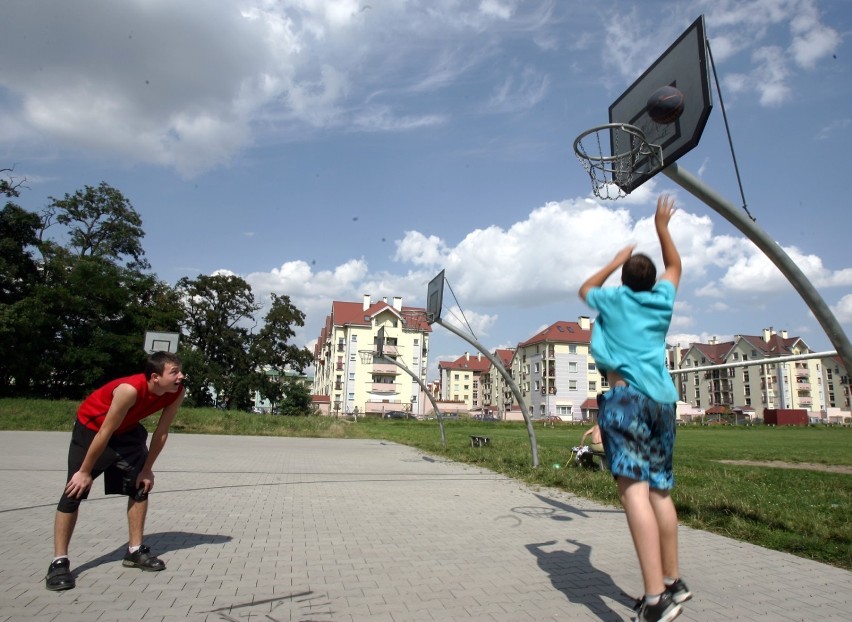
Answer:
(479, 441)
(587, 458)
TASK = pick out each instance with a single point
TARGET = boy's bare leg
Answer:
(63, 529)
(642, 521)
(136, 512)
(664, 510)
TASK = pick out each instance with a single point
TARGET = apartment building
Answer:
(461, 380)
(556, 373)
(767, 383)
(372, 386)
(497, 397)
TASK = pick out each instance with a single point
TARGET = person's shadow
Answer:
(573, 574)
(162, 542)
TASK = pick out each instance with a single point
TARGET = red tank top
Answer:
(93, 410)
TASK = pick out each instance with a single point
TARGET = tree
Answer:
(76, 317)
(101, 223)
(217, 310)
(18, 239)
(297, 398)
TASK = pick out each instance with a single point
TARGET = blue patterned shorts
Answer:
(638, 435)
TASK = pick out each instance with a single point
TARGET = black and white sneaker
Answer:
(665, 610)
(679, 591)
(59, 576)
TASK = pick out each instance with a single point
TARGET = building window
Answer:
(593, 386)
(572, 349)
(593, 367)
(572, 368)
(572, 385)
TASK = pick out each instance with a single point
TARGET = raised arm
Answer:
(600, 277)
(671, 258)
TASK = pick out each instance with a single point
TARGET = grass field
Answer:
(804, 512)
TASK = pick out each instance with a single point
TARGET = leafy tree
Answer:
(78, 315)
(217, 310)
(101, 222)
(18, 239)
(297, 398)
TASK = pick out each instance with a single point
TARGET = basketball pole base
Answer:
(773, 250)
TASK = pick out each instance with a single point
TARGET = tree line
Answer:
(77, 295)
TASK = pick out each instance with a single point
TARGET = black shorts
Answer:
(120, 463)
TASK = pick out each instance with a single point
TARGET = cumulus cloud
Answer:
(843, 309)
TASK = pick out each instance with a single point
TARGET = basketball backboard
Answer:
(380, 342)
(435, 298)
(157, 342)
(684, 66)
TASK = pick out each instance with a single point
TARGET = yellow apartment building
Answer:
(365, 385)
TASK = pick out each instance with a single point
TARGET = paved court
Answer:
(323, 530)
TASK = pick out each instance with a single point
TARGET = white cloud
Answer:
(811, 39)
(843, 309)
(468, 320)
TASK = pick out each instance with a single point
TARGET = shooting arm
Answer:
(600, 277)
(671, 257)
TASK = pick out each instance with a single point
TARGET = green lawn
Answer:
(803, 512)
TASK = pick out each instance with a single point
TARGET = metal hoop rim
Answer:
(626, 127)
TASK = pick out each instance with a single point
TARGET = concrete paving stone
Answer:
(333, 530)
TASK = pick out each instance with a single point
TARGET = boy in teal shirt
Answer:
(637, 415)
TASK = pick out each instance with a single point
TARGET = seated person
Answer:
(597, 441)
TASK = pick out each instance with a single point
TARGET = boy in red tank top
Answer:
(109, 439)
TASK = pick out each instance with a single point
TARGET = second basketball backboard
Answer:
(684, 66)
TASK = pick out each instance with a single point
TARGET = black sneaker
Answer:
(679, 591)
(143, 560)
(664, 611)
(59, 576)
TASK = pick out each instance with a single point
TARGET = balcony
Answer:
(390, 350)
(383, 387)
(338, 386)
(338, 366)
(386, 369)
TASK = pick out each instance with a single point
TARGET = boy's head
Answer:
(639, 273)
(156, 363)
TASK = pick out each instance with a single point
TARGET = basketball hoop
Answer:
(610, 174)
(414, 318)
(367, 356)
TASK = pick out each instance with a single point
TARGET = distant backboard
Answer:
(435, 298)
(380, 342)
(684, 66)
(161, 342)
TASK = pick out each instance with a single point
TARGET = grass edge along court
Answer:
(800, 510)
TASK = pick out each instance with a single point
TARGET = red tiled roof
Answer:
(560, 332)
(590, 404)
(354, 313)
(468, 363)
(776, 346)
(505, 356)
(716, 352)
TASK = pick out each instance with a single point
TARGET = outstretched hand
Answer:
(665, 210)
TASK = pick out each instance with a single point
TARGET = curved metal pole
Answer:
(773, 250)
(425, 389)
(507, 377)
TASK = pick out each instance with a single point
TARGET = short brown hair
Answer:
(639, 273)
(156, 363)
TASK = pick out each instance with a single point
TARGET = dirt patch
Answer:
(780, 464)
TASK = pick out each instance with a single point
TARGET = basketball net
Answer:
(611, 173)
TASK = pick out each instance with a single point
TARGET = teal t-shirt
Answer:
(629, 336)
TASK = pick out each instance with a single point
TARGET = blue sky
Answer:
(328, 149)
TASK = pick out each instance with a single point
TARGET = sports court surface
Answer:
(286, 529)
